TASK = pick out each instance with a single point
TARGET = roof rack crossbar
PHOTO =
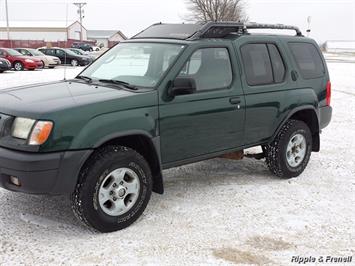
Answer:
(222, 29)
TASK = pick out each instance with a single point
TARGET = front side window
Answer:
(139, 64)
(308, 60)
(60, 53)
(210, 68)
(49, 51)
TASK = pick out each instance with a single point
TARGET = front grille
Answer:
(5, 125)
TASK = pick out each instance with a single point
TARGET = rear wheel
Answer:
(289, 153)
(113, 190)
(43, 65)
(18, 66)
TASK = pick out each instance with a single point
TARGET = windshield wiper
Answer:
(88, 79)
(119, 82)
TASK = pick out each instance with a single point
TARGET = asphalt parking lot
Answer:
(213, 212)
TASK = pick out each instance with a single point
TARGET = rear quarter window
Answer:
(308, 60)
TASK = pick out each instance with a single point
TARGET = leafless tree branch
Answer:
(216, 10)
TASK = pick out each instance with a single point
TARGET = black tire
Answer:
(91, 50)
(51, 67)
(18, 66)
(85, 197)
(275, 152)
(2, 71)
(43, 65)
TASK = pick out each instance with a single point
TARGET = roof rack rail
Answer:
(222, 29)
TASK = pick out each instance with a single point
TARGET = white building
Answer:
(339, 46)
(50, 31)
(105, 37)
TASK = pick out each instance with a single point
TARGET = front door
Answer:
(211, 119)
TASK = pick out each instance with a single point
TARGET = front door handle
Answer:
(234, 100)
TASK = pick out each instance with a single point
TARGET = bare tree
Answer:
(216, 10)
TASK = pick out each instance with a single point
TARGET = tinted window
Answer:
(48, 51)
(59, 53)
(257, 64)
(210, 67)
(308, 60)
(278, 66)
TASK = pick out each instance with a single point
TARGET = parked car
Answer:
(81, 52)
(67, 57)
(170, 96)
(4, 65)
(83, 46)
(47, 61)
(19, 61)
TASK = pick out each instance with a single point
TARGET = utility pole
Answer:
(81, 16)
(7, 21)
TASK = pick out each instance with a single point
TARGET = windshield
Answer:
(139, 64)
(76, 51)
(35, 52)
(70, 52)
(13, 52)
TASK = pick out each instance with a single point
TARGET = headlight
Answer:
(1, 62)
(29, 61)
(36, 132)
(21, 128)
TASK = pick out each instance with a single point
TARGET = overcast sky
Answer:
(331, 19)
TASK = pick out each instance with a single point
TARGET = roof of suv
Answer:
(207, 30)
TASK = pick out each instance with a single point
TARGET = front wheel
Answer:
(18, 66)
(74, 62)
(114, 188)
(288, 154)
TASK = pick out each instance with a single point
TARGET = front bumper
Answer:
(33, 65)
(41, 173)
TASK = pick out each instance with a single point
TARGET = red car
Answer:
(19, 61)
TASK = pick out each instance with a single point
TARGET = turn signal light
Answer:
(40, 132)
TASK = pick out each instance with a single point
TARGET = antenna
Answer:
(66, 41)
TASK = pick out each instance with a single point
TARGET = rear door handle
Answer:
(234, 100)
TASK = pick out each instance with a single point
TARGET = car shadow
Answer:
(39, 213)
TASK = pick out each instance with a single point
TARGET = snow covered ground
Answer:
(213, 212)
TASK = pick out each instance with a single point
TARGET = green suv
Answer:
(173, 94)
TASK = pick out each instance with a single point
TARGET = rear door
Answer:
(211, 119)
(266, 79)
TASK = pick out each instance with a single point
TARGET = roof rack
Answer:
(207, 30)
(223, 29)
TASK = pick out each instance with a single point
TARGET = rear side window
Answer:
(257, 64)
(278, 66)
(308, 60)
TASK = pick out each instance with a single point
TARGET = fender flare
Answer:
(290, 114)
(158, 185)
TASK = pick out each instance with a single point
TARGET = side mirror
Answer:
(183, 86)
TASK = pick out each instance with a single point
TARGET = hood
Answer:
(51, 57)
(36, 101)
(45, 57)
